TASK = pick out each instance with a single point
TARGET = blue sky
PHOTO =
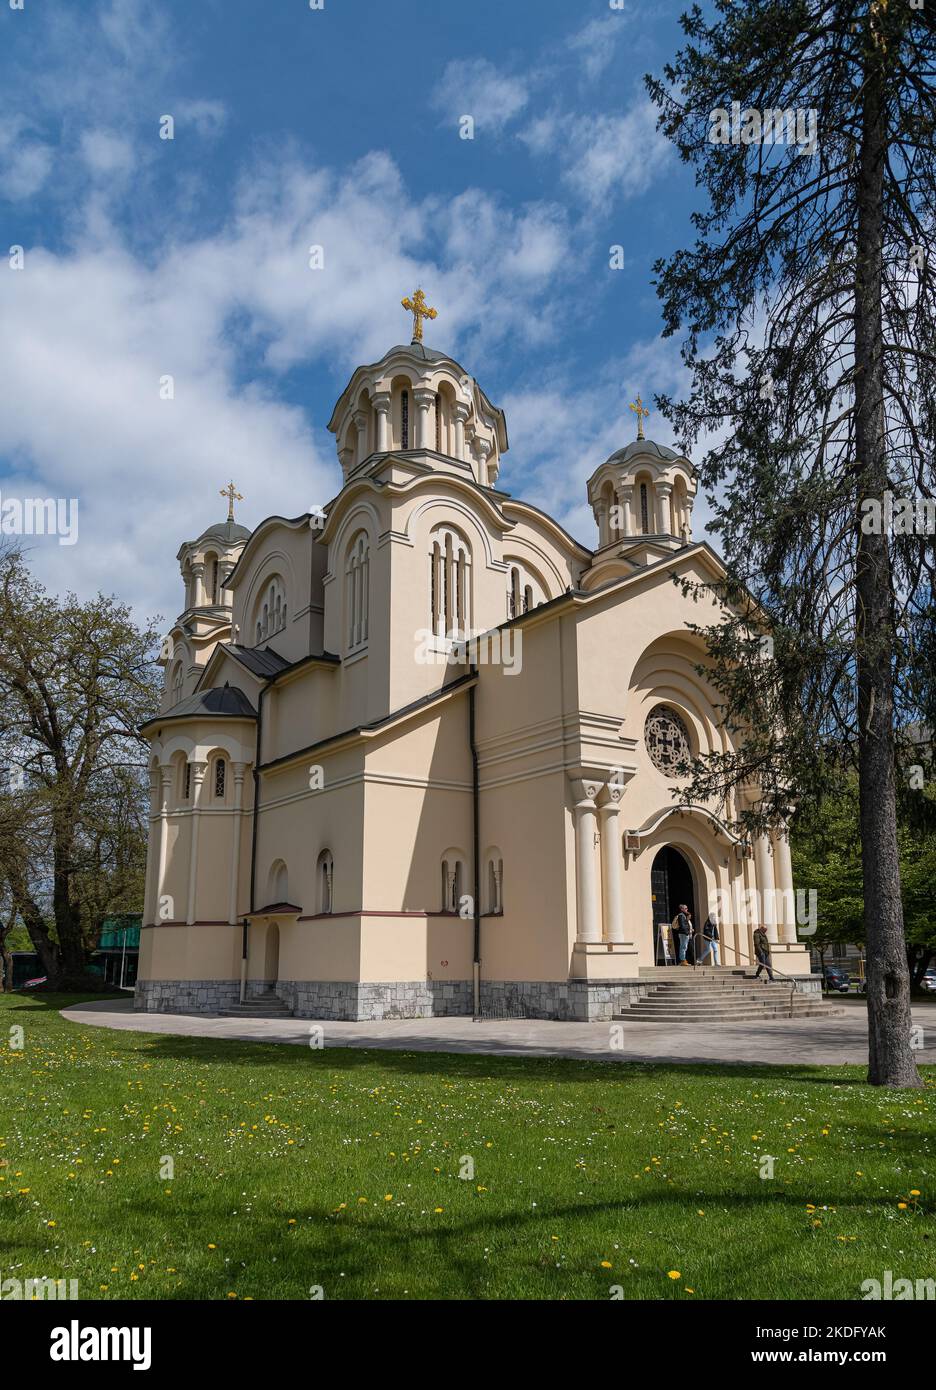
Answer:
(296, 127)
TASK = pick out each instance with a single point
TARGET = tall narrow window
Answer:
(438, 415)
(449, 583)
(211, 582)
(357, 584)
(326, 882)
(404, 420)
(187, 781)
(644, 510)
(220, 778)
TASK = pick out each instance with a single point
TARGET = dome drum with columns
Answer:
(430, 686)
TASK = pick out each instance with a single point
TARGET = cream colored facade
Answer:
(336, 765)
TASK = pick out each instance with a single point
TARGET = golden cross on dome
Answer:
(230, 492)
(420, 310)
(641, 412)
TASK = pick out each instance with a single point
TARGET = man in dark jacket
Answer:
(682, 931)
(762, 952)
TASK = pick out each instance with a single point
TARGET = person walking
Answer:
(682, 931)
(762, 952)
(710, 939)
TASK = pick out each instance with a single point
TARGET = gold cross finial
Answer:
(641, 412)
(230, 492)
(420, 310)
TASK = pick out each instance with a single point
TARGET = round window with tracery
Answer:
(667, 740)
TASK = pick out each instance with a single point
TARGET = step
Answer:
(258, 1008)
(638, 1014)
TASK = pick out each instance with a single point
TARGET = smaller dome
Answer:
(228, 532)
(638, 448)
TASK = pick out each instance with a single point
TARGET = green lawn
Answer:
(339, 1168)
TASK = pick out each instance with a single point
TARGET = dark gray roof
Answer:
(221, 702)
(262, 661)
(228, 532)
(637, 447)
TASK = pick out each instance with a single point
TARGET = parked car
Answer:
(837, 979)
(928, 981)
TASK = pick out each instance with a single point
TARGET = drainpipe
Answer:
(245, 939)
(476, 849)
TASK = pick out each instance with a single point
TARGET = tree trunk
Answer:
(891, 1061)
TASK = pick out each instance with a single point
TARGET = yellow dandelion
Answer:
(674, 1274)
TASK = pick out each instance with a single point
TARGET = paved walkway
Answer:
(814, 1041)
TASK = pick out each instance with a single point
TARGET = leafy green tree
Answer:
(76, 681)
(807, 310)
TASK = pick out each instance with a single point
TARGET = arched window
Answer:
(523, 591)
(279, 882)
(186, 788)
(325, 877)
(175, 694)
(449, 583)
(357, 587)
(438, 423)
(404, 420)
(220, 778)
(211, 579)
(453, 881)
(495, 883)
(270, 611)
(644, 510)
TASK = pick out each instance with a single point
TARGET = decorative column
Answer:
(664, 492)
(198, 584)
(165, 777)
(586, 874)
(625, 496)
(482, 451)
(765, 886)
(381, 401)
(238, 769)
(360, 424)
(611, 896)
(601, 517)
(198, 779)
(783, 872)
(461, 412)
(424, 398)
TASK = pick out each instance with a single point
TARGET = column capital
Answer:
(423, 396)
(380, 400)
(610, 797)
(585, 790)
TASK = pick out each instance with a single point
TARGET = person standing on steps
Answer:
(762, 952)
(682, 931)
(710, 939)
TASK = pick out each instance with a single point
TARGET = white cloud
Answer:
(25, 161)
(206, 118)
(475, 87)
(88, 333)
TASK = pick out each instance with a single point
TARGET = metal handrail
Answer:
(772, 968)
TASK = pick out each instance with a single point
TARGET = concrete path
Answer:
(812, 1041)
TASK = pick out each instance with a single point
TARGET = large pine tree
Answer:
(806, 310)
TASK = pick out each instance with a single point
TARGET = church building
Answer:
(417, 748)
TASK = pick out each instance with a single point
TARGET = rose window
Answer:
(667, 741)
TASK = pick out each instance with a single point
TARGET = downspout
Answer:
(245, 938)
(476, 852)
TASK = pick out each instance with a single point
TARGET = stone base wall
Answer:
(359, 1001)
(185, 996)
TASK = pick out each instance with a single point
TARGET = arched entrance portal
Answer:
(671, 883)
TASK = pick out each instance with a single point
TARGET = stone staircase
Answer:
(719, 994)
(265, 1005)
